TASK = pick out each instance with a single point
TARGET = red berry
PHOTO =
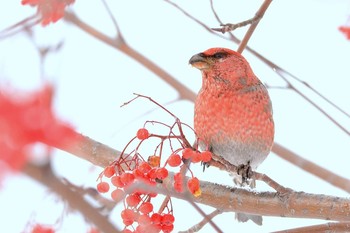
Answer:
(178, 182)
(126, 231)
(109, 171)
(206, 156)
(193, 186)
(117, 182)
(38, 228)
(144, 167)
(187, 153)
(156, 218)
(127, 178)
(142, 134)
(152, 194)
(162, 173)
(103, 187)
(167, 228)
(196, 157)
(117, 194)
(133, 200)
(174, 160)
(168, 219)
(152, 173)
(144, 219)
(146, 208)
(128, 214)
(154, 160)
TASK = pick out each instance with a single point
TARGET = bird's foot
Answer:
(245, 171)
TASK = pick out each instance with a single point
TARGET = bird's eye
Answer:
(219, 55)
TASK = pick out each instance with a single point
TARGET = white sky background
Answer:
(93, 80)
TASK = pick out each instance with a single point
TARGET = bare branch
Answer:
(44, 175)
(328, 227)
(312, 168)
(252, 27)
(202, 223)
(228, 27)
(122, 46)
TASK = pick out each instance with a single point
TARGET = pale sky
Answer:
(93, 80)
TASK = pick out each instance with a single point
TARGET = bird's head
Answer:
(213, 57)
(223, 66)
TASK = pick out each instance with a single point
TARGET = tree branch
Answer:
(259, 14)
(290, 204)
(44, 175)
(328, 227)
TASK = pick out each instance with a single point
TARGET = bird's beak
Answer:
(199, 61)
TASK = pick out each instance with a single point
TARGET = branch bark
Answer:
(43, 174)
(229, 199)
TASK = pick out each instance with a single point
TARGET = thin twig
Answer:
(116, 25)
(259, 14)
(228, 27)
(202, 223)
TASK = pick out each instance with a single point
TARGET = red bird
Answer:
(233, 112)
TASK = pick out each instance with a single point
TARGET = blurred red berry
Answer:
(174, 160)
(127, 178)
(346, 31)
(50, 10)
(142, 134)
(206, 156)
(116, 181)
(109, 171)
(193, 185)
(167, 228)
(154, 161)
(103, 187)
(187, 153)
(146, 208)
(168, 219)
(38, 228)
(133, 200)
(144, 167)
(196, 157)
(156, 218)
(162, 173)
(117, 194)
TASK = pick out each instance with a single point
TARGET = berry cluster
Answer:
(139, 214)
(131, 172)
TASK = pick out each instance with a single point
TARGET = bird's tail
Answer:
(242, 217)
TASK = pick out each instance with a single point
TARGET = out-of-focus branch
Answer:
(312, 168)
(202, 223)
(43, 174)
(90, 150)
(123, 47)
(328, 227)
